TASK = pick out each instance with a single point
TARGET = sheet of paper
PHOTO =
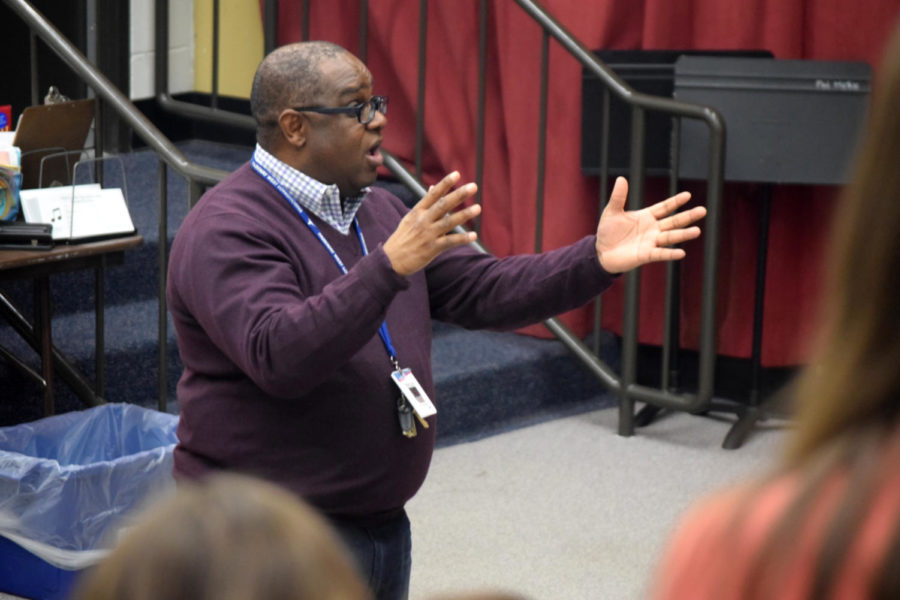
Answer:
(98, 212)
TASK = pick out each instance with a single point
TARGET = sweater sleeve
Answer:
(476, 290)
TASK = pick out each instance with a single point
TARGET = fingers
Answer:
(451, 240)
(442, 199)
(676, 230)
(664, 254)
(452, 220)
(447, 203)
(682, 219)
(441, 216)
(677, 236)
(437, 207)
(437, 191)
(427, 230)
(669, 205)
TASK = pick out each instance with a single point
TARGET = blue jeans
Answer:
(383, 554)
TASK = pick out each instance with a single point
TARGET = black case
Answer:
(786, 121)
(18, 235)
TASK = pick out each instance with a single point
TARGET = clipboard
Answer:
(50, 128)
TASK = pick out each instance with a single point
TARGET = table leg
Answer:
(42, 319)
(32, 335)
(99, 326)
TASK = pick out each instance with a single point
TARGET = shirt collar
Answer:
(320, 199)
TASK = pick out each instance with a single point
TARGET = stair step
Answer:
(485, 382)
(488, 381)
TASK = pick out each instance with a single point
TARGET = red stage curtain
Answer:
(791, 29)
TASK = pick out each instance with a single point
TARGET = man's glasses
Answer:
(364, 111)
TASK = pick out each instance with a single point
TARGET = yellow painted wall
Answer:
(240, 45)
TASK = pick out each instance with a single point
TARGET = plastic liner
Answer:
(68, 482)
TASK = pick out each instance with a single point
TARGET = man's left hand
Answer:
(629, 239)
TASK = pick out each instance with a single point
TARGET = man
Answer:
(303, 301)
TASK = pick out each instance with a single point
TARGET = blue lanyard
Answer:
(383, 330)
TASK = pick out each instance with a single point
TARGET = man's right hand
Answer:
(425, 231)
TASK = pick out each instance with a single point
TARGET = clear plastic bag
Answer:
(68, 482)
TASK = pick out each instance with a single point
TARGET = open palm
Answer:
(629, 239)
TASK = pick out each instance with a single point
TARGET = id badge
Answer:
(413, 392)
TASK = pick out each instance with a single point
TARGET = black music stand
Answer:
(787, 121)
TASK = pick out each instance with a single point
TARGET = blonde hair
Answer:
(230, 537)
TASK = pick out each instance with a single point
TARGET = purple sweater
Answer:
(285, 376)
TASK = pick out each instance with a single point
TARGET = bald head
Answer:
(288, 76)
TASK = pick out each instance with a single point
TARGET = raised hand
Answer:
(424, 232)
(629, 239)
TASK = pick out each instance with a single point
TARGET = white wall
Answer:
(181, 47)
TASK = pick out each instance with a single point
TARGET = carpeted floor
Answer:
(567, 508)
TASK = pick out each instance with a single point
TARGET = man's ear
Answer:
(294, 128)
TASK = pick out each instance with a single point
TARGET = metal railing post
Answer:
(162, 317)
(420, 86)
(541, 145)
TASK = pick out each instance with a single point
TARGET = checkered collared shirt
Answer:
(320, 199)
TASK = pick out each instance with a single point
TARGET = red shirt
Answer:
(715, 546)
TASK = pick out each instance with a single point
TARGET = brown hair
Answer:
(847, 399)
(854, 383)
(230, 537)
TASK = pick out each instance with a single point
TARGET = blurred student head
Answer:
(827, 523)
(229, 537)
(854, 383)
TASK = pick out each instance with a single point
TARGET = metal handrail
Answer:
(629, 390)
(198, 176)
(179, 107)
(624, 384)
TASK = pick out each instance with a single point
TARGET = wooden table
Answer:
(39, 265)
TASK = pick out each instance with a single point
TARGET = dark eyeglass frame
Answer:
(377, 103)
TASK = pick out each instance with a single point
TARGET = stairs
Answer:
(486, 382)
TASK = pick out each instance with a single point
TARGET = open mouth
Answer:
(374, 156)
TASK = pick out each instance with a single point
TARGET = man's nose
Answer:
(378, 121)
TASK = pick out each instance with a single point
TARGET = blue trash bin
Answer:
(68, 483)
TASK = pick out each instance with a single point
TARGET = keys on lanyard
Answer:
(405, 414)
(413, 400)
